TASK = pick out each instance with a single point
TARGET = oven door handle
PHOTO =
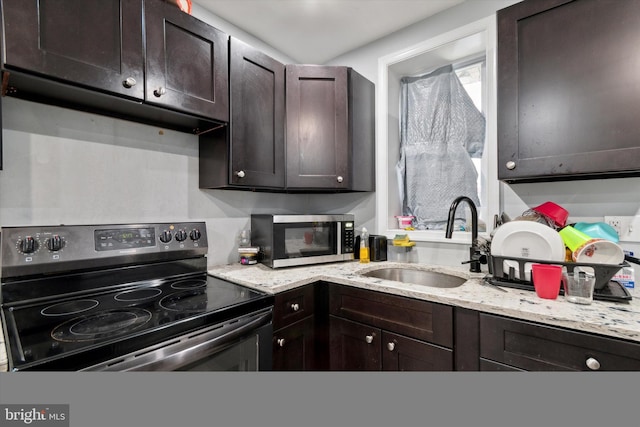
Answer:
(181, 351)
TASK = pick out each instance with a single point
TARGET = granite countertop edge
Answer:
(611, 319)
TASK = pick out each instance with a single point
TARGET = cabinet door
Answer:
(318, 152)
(353, 346)
(406, 354)
(294, 347)
(567, 94)
(186, 62)
(257, 117)
(93, 43)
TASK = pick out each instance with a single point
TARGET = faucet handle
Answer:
(481, 258)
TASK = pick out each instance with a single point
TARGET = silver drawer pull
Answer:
(159, 92)
(369, 339)
(295, 307)
(593, 364)
(280, 342)
(391, 346)
(129, 82)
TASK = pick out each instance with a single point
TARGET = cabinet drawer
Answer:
(534, 347)
(422, 320)
(292, 306)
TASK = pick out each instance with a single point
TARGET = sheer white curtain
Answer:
(440, 131)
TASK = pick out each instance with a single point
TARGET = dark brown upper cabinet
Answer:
(295, 128)
(95, 43)
(330, 129)
(251, 154)
(186, 62)
(568, 90)
(138, 60)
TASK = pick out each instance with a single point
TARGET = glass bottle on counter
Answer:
(364, 246)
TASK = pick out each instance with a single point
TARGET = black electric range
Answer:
(75, 296)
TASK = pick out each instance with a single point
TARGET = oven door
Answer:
(241, 344)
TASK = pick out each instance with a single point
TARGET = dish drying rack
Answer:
(603, 273)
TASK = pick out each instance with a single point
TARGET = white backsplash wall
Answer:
(68, 167)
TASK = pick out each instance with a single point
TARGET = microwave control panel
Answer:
(348, 237)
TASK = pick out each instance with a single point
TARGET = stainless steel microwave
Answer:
(292, 240)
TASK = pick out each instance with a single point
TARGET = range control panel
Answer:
(46, 249)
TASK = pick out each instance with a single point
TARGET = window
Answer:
(471, 50)
(441, 131)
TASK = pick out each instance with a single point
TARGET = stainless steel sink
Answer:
(417, 277)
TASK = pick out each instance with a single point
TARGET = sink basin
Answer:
(417, 277)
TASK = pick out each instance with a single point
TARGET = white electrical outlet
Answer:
(627, 227)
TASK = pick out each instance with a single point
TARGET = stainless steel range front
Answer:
(126, 297)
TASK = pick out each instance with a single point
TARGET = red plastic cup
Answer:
(546, 280)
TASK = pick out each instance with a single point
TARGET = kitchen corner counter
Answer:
(621, 320)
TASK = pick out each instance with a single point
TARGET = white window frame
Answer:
(385, 221)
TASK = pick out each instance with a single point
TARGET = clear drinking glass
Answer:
(579, 285)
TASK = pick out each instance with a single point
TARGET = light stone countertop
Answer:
(621, 320)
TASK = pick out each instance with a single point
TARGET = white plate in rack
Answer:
(527, 239)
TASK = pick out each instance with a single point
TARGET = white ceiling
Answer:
(316, 31)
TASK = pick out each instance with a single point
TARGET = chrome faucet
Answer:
(476, 258)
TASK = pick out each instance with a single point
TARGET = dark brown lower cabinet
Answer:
(300, 333)
(326, 326)
(510, 344)
(294, 347)
(374, 331)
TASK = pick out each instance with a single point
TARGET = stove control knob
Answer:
(195, 234)
(28, 245)
(165, 236)
(55, 243)
(181, 235)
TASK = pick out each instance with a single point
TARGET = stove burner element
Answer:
(134, 295)
(69, 307)
(189, 301)
(102, 325)
(189, 284)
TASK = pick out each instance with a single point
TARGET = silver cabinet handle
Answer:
(511, 165)
(240, 174)
(593, 364)
(295, 307)
(369, 339)
(280, 342)
(339, 179)
(129, 82)
(159, 92)
(391, 346)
